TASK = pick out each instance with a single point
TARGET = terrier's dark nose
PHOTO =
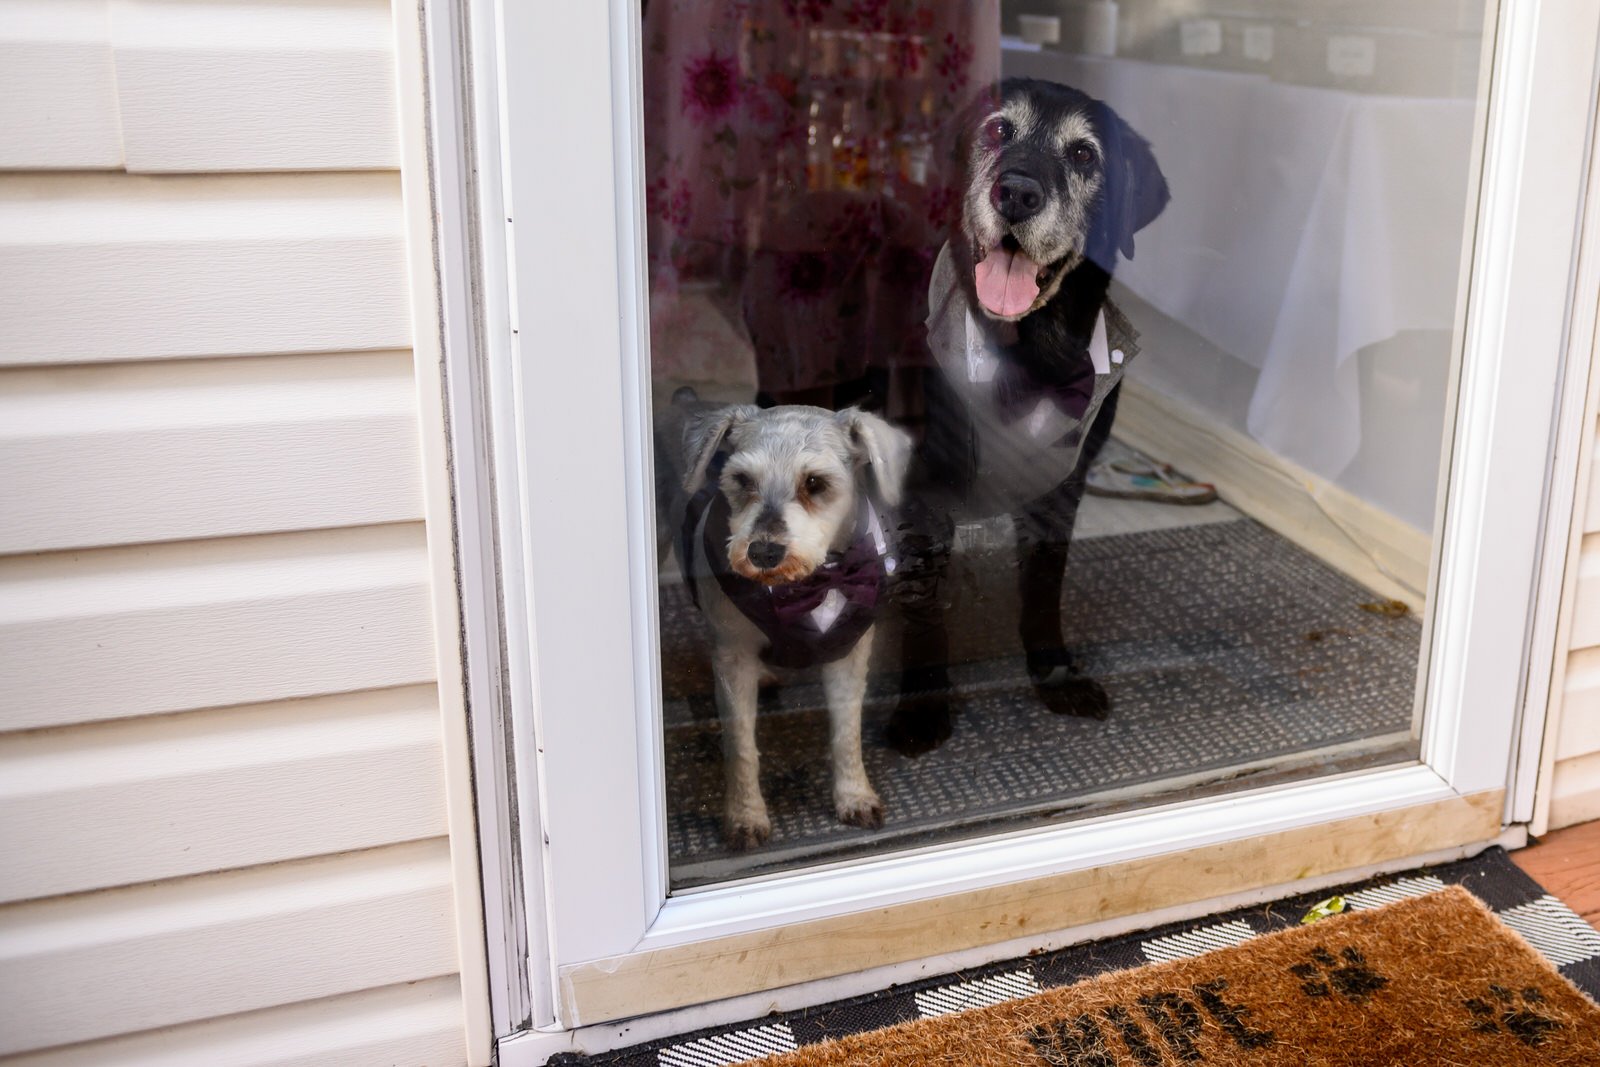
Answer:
(766, 554)
(1017, 196)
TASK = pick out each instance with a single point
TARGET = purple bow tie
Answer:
(1017, 392)
(784, 613)
(857, 574)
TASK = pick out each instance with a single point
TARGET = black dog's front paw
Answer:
(1047, 666)
(921, 723)
(1065, 691)
(925, 716)
(1077, 695)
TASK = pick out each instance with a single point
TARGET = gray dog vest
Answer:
(1024, 447)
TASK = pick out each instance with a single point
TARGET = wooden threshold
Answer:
(1382, 552)
(700, 972)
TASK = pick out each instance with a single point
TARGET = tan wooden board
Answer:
(704, 971)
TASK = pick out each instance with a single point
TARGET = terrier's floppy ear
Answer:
(702, 436)
(883, 448)
(1135, 191)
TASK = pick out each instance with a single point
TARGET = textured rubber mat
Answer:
(1223, 647)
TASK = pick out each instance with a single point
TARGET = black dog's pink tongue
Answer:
(1008, 282)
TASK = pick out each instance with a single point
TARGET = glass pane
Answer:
(1049, 403)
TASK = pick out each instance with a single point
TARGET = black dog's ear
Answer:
(1135, 191)
(703, 435)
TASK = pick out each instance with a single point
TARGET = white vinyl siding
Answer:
(59, 86)
(151, 630)
(224, 943)
(164, 86)
(164, 451)
(222, 758)
(415, 1023)
(1574, 785)
(1569, 782)
(306, 777)
(106, 267)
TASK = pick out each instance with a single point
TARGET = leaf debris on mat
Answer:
(1389, 609)
(1323, 910)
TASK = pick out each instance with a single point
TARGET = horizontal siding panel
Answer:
(166, 86)
(218, 86)
(119, 266)
(415, 1023)
(215, 790)
(58, 86)
(99, 964)
(122, 632)
(122, 454)
(1580, 707)
(1586, 596)
(1575, 791)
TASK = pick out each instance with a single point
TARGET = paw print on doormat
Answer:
(1514, 1013)
(1346, 974)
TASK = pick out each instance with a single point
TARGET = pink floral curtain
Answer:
(796, 164)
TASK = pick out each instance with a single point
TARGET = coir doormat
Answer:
(1434, 979)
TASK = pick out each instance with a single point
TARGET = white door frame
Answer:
(1573, 442)
(542, 282)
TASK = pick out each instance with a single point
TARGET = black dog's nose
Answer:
(1017, 196)
(766, 554)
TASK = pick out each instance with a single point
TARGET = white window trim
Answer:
(570, 458)
(474, 319)
(1574, 439)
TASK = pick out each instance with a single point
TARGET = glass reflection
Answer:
(1168, 288)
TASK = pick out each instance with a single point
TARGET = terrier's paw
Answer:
(921, 723)
(746, 826)
(742, 838)
(746, 834)
(859, 807)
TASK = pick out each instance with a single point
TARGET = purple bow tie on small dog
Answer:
(816, 620)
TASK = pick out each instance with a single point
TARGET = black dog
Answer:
(1031, 354)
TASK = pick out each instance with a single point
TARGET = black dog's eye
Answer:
(815, 485)
(998, 131)
(1081, 154)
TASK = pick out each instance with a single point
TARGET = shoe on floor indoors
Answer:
(1140, 479)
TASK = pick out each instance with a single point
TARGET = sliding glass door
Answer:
(969, 469)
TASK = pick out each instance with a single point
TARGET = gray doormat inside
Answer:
(1227, 651)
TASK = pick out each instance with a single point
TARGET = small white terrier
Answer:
(784, 551)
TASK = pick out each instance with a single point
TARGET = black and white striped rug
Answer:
(1520, 902)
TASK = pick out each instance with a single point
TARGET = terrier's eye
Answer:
(815, 485)
(1081, 154)
(743, 482)
(998, 131)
